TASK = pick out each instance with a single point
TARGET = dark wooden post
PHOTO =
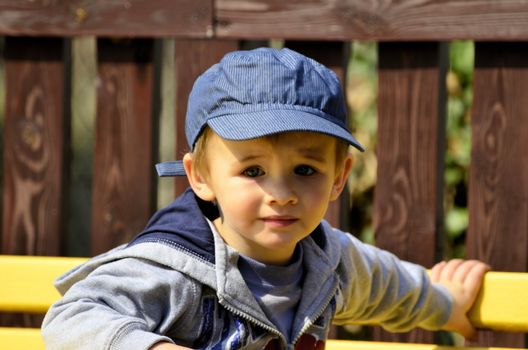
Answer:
(36, 143)
(408, 198)
(124, 194)
(192, 58)
(35, 147)
(498, 183)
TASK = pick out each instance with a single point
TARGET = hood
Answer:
(179, 226)
(173, 226)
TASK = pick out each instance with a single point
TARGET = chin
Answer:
(279, 241)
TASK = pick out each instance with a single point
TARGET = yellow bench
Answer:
(27, 286)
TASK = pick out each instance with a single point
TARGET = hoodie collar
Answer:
(183, 224)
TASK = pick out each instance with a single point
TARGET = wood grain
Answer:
(408, 195)
(498, 183)
(123, 170)
(35, 168)
(263, 19)
(372, 20)
(35, 146)
(107, 18)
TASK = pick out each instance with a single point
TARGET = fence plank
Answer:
(35, 144)
(123, 172)
(498, 184)
(192, 58)
(408, 196)
(334, 55)
(35, 170)
(372, 20)
(113, 18)
(262, 19)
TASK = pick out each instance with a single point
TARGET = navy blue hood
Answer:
(182, 224)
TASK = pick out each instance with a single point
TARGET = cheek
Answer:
(319, 189)
(318, 195)
(239, 202)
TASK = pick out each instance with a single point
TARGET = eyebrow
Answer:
(250, 157)
(314, 153)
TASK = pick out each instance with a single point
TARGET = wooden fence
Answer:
(412, 64)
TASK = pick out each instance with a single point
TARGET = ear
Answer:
(197, 181)
(341, 178)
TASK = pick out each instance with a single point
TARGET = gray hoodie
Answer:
(178, 281)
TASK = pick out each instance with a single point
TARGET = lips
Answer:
(279, 220)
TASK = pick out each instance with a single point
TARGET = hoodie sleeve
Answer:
(378, 288)
(124, 304)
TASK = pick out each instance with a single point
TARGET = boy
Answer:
(243, 259)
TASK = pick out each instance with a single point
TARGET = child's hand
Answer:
(463, 279)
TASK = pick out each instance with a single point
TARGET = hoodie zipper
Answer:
(253, 320)
(310, 322)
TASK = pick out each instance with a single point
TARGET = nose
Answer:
(281, 193)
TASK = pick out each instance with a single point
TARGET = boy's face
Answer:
(271, 193)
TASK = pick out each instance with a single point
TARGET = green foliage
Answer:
(361, 95)
(458, 152)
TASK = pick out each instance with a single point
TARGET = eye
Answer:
(253, 172)
(304, 170)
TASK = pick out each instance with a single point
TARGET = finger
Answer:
(436, 271)
(475, 276)
(463, 270)
(450, 268)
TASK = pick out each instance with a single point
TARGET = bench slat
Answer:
(28, 287)
(502, 303)
(27, 281)
(21, 338)
(333, 344)
(30, 338)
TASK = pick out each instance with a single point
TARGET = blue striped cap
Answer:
(251, 94)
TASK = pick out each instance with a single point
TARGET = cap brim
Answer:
(251, 125)
(256, 124)
(174, 168)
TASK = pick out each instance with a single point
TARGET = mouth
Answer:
(278, 221)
